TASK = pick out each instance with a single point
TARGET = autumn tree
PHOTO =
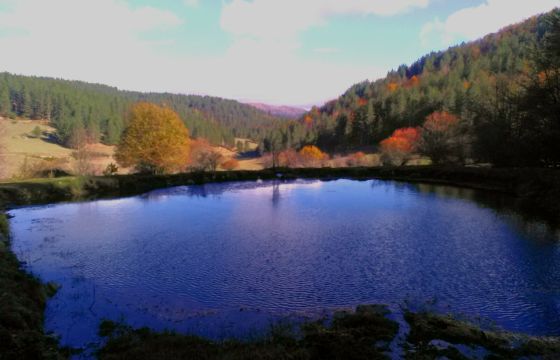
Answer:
(397, 149)
(312, 156)
(155, 140)
(203, 157)
(442, 138)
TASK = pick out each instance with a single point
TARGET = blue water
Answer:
(222, 260)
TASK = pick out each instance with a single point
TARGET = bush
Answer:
(111, 169)
(312, 156)
(36, 132)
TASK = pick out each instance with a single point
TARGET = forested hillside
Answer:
(503, 88)
(101, 110)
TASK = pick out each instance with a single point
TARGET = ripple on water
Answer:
(223, 259)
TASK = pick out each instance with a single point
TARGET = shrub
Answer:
(312, 156)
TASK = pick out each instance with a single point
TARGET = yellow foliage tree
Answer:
(156, 140)
(312, 155)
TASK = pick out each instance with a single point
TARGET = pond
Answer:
(223, 260)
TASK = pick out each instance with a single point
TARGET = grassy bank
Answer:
(367, 333)
(364, 334)
(23, 298)
(22, 304)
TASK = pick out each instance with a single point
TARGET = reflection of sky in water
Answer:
(223, 259)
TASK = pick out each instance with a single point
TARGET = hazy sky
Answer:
(276, 51)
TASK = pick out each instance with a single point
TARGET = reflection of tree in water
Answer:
(217, 189)
(275, 193)
(525, 219)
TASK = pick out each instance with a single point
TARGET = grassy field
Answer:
(22, 146)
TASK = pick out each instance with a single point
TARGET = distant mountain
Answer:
(288, 112)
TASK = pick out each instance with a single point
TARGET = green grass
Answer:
(22, 303)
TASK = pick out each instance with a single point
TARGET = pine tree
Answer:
(5, 103)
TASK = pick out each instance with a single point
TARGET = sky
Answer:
(283, 52)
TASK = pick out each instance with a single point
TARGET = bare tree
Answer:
(82, 166)
(209, 160)
(82, 156)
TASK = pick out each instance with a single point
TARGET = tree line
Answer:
(101, 111)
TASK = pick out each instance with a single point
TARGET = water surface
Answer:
(222, 260)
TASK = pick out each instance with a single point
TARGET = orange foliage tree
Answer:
(362, 102)
(308, 121)
(155, 140)
(442, 138)
(412, 82)
(396, 149)
(356, 159)
(392, 86)
(311, 155)
(203, 156)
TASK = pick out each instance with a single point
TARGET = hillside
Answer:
(498, 77)
(101, 109)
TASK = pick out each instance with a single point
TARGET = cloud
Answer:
(272, 19)
(191, 3)
(326, 50)
(110, 42)
(264, 50)
(98, 41)
(474, 22)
